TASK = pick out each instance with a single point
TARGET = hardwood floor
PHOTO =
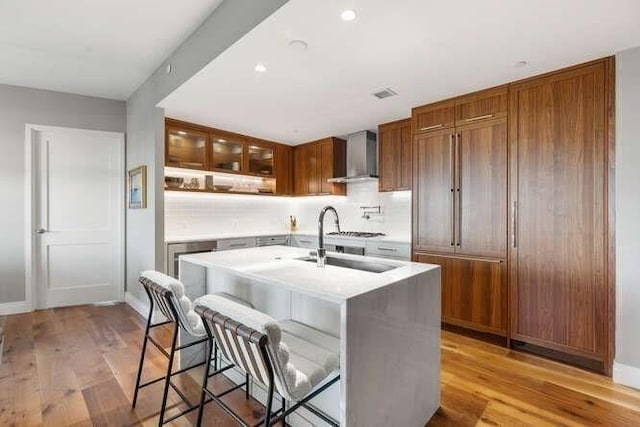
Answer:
(76, 366)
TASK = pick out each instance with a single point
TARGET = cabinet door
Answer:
(227, 153)
(482, 189)
(474, 292)
(389, 149)
(301, 170)
(558, 183)
(433, 117)
(433, 195)
(283, 165)
(325, 166)
(485, 105)
(185, 148)
(313, 160)
(405, 163)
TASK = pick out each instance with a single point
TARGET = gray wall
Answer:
(628, 207)
(19, 106)
(145, 123)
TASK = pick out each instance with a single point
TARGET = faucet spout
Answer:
(322, 252)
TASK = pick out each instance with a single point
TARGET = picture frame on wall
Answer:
(137, 188)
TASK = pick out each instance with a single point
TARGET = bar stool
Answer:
(288, 357)
(168, 295)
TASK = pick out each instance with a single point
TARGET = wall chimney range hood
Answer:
(362, 158)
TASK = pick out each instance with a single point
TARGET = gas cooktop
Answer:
(362, 234)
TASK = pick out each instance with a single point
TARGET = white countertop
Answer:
(277, 266)
(220, 236)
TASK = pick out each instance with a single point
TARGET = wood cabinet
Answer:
(316, 162)
(474, 292)
(186, 148)
(283, 169)
(193, 146)
(394, 156)
(434, 192)
(433, 117)
(460, 190)
(460, 215)
(484, 105)
(560, 295)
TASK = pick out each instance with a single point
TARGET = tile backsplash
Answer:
(202, 214)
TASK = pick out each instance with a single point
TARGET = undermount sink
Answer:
(370, 266)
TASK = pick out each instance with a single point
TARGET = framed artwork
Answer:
(138, 188)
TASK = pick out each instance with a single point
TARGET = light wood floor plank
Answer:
(77, 366)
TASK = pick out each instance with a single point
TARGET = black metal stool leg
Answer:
(144, 349)
(246, 388)
(210, 348)
(267, 419)
(168, 376)
(284, 410)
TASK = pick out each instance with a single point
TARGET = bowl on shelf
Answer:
(173, 182)
(218, 187)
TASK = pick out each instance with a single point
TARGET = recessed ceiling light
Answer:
(298, 44)
(261, 68)
(521, 64)
(348, 15)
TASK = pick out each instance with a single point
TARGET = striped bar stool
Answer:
(293, 359)
(168, 295)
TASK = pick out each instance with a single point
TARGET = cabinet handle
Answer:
(514, 214)
(237, 245)
(306, 241)
(458, 168)
(431, 127)
(453, 184)
(473, 119)
(380, 248)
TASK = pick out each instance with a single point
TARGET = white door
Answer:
(78, 216)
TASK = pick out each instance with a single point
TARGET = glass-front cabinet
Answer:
(186, 148)
(260, 160)
(226, 154)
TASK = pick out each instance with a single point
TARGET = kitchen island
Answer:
(388, 322)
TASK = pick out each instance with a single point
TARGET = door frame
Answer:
(30, 256)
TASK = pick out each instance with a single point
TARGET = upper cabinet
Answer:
(197, 147)
(186, 148)
(227, 153)
(394, 151)
(433, 117)
(480, 106)
(315, 163)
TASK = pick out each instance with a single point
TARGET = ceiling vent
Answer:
(384, 93)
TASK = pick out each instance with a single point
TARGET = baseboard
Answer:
(138, 305)
(15, 308)
(626, 375)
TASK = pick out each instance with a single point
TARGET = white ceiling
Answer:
(425, 50)
(104, 48)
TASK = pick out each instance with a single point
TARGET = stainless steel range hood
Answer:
(362, 158)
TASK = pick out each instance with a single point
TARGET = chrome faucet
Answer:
(322, 252)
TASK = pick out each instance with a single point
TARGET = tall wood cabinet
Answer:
(512, 197)
(316, 162)
(459, 202)
(394, 156)
(560, 295)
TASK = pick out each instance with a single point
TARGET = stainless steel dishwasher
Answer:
(174, 250)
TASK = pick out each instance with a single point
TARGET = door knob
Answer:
(41, 231)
